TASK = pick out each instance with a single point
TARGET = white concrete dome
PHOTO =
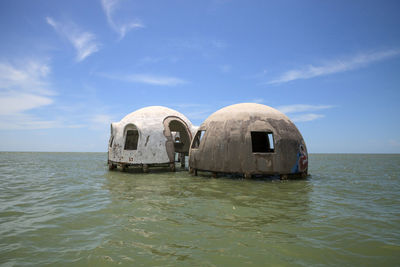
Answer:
(150, 135)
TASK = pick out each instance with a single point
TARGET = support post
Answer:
(283, 176)
(111, 166)
(183, 160)
(124, 167)
(172, 166)
(145, 168)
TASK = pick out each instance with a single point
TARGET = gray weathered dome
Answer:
(251, 139)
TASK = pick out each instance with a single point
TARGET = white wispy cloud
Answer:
(85, 43)
(303, 112)
(156, 80)
(30, 76)
(148, 79)
(302, 108)
(24, 88)
(306, 117)
(12, 102)
(122, 28)
(336, 66)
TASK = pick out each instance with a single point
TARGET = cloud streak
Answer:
(306, 117)
(31, 77)
(336, 66)
(306, 111)
(150, 79)
(122, 28)
(22, 89)
(14, 102)
(302, 108)
(84, 43)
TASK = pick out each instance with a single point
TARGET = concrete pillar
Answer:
(124, 167)
(145, 168)
(172, 166)
(183, 160)
(111, 166)
(283, 176)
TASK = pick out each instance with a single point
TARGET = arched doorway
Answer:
(178, 139)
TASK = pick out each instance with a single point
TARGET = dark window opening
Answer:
(131, 141)
(111, 140)
(197, 139)
(262, 142)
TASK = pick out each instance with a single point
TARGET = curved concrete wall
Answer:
(154, 137)
(227, 144)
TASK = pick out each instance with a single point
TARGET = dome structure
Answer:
(149, 136)
(249, 139)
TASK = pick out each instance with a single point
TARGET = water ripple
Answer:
(66, 208)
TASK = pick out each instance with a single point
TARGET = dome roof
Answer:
(248, 138)
(244, 111)
(154, 112)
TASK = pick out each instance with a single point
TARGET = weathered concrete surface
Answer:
(226, 146)
(155, 144)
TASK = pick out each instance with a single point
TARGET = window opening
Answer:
(197, 138)
(131, 141)
(262, 142)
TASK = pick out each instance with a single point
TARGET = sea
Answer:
(68, 209)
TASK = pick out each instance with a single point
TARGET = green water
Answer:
(68, 209)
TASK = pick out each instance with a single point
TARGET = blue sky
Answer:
(69, 68)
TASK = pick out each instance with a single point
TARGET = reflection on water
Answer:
(66, 208)
(195, 219)
(229, 203)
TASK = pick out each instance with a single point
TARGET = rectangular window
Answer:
(262, 142)
(131, 141)
(197, 139)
